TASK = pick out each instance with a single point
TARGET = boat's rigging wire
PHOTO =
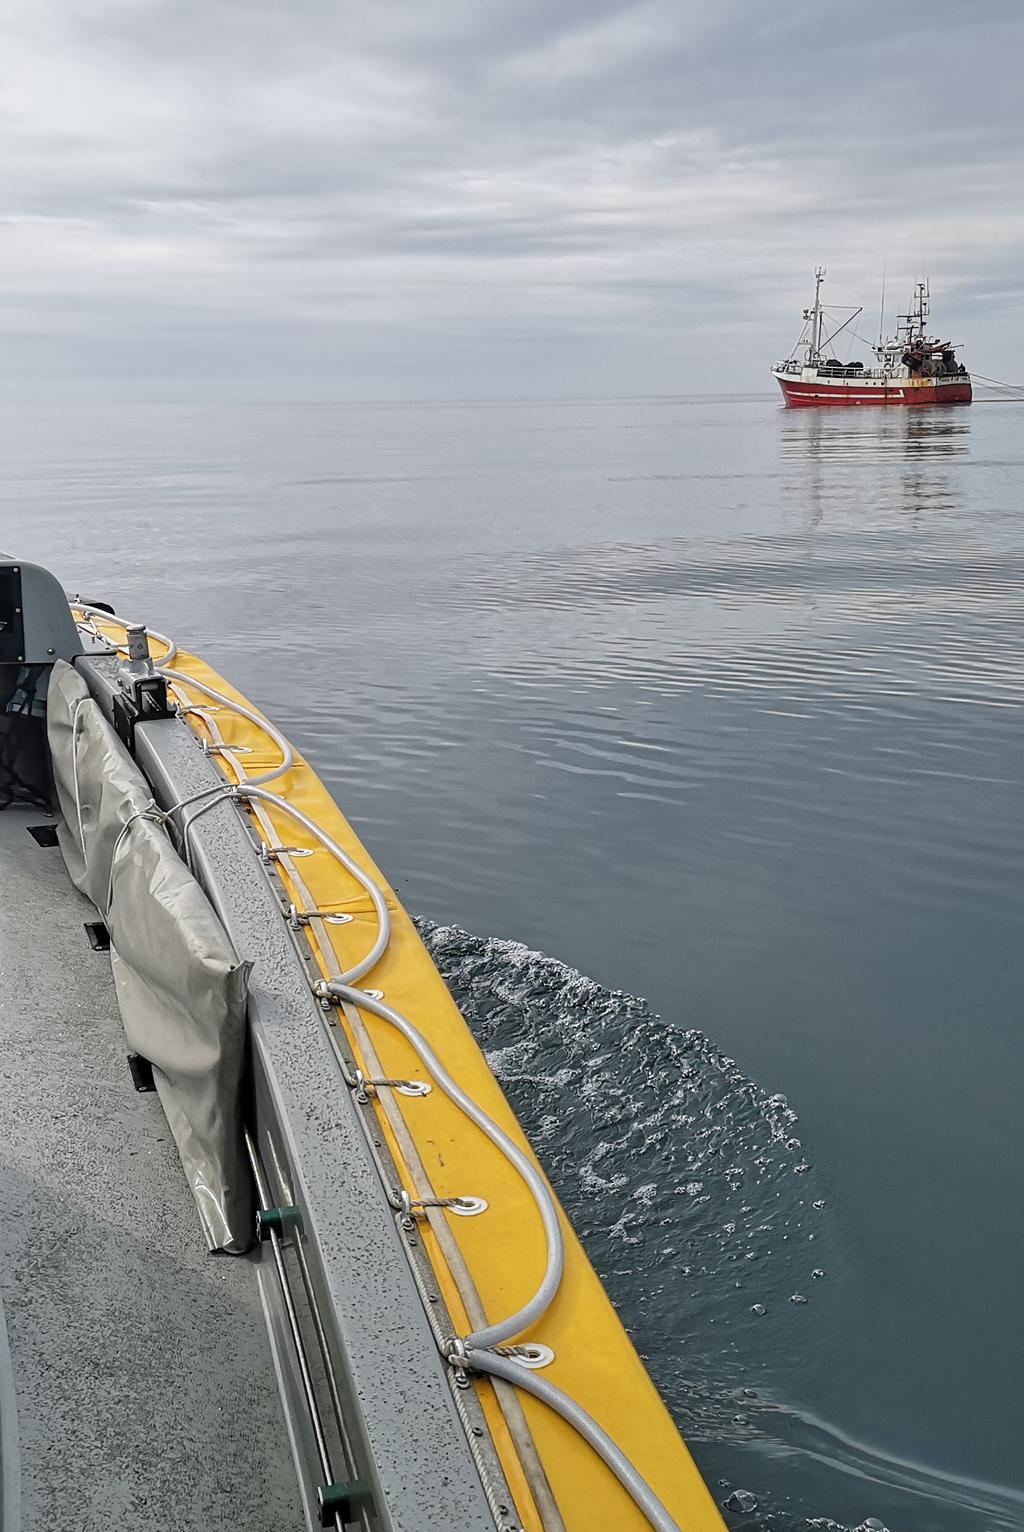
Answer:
(830, 338)
(863, 340)
(1015, 390)
(470, 1351)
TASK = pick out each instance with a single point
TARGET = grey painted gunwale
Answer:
(409, 1443)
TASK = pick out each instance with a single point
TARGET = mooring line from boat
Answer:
(1015, 391)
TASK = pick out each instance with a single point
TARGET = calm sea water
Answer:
(719, 708)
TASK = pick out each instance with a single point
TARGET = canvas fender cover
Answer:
(181, 990)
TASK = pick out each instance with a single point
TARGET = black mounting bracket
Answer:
(99, 936)
(141, 1071)
(144, 703)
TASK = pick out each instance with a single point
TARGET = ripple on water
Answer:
(687, 1182)
(697, 1202)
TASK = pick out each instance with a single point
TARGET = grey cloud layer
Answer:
(484, 197)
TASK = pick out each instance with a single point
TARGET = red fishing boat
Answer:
(912, 368)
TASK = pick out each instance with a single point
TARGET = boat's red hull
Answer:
(907, 391)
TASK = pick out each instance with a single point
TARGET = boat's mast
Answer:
(922, 308)
(815, 316)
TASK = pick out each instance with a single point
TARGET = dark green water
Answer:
(721, 708)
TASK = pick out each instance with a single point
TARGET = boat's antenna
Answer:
(815, 316)
(881, 309)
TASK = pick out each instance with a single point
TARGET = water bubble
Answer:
(758, 1308)
(817, 1272)
(741, 1500)
(798, 1170)
(798, 1298)
(750, 1393)
(872, 1524)
(818, 1205)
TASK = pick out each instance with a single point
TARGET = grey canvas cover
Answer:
(181, 990)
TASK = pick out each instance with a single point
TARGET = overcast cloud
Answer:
(467, 198)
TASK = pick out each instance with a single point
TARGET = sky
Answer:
(493, 198)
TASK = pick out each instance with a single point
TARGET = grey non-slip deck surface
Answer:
(145, 1391)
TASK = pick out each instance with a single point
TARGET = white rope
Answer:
(540, 1302)
(287, 753)
(97, 611)
(563, 1404)
(74, 769)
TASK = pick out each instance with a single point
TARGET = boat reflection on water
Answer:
(874, 433)
(912, 449)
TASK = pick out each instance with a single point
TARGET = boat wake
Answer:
(701, 1209)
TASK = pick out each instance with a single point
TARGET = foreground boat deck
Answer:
(145, 1389)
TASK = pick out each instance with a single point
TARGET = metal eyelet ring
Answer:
(467, 1207)
(274, 853)
(533, 1355)
(413, 1088)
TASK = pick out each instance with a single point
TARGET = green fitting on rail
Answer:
(275, 1221)
(339, 1499)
